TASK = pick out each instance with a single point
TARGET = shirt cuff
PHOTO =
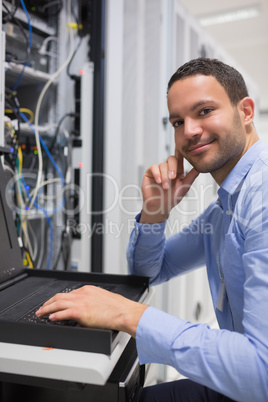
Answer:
(150, 239)
(155, 335)
(145, 229)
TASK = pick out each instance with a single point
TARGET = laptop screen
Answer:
(10, 254)
(5, 242)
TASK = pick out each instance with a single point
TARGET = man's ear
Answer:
(246, 107)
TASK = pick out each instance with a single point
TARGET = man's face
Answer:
(208, 129)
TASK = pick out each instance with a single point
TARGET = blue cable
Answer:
(52, 160)
(35, 203)
(29, 45)
(45, 148)
(29, 25)
(50, 252)
(20, 77)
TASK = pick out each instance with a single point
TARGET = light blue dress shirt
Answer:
(231, 239)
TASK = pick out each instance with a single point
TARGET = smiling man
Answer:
(212, 116)
(208, 127)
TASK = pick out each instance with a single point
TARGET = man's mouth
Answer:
(200, 147)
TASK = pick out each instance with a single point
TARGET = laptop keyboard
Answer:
(30, 317)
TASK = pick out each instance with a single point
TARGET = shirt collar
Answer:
(241, 169)
(231, 186)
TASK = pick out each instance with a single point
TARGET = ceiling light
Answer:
(230, 16)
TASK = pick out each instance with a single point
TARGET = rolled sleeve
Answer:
(154, 344)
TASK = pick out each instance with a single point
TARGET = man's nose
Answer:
(192, 128)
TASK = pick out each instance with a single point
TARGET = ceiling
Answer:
(246, 40)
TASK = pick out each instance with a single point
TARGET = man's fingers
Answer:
(172, 165)
(180, 167)
(60, 301)
(183, 185)
(154, 172)
(66, 314)
(190, 177)
(160, 174)
(59, 310)
(164, 174)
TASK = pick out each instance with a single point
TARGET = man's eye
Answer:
(177, 123)
(205, 111)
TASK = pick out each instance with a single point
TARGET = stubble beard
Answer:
(228, 154)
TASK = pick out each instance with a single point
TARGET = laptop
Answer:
(24, 290)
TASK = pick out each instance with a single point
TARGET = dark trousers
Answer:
(181, 391)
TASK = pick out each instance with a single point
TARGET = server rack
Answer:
(46, 47)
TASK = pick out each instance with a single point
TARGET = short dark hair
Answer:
(231, 80)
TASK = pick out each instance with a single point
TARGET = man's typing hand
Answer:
(94, 307)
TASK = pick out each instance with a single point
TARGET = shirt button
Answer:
(228, 212)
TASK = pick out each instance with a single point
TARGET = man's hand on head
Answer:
(163, 187)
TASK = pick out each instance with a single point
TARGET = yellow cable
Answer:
(23, 110)
(74, 25)
(20, 156)
(22, 205)
(29, 260)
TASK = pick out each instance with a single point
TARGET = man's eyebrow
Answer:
(201, 103)
(174, 116)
